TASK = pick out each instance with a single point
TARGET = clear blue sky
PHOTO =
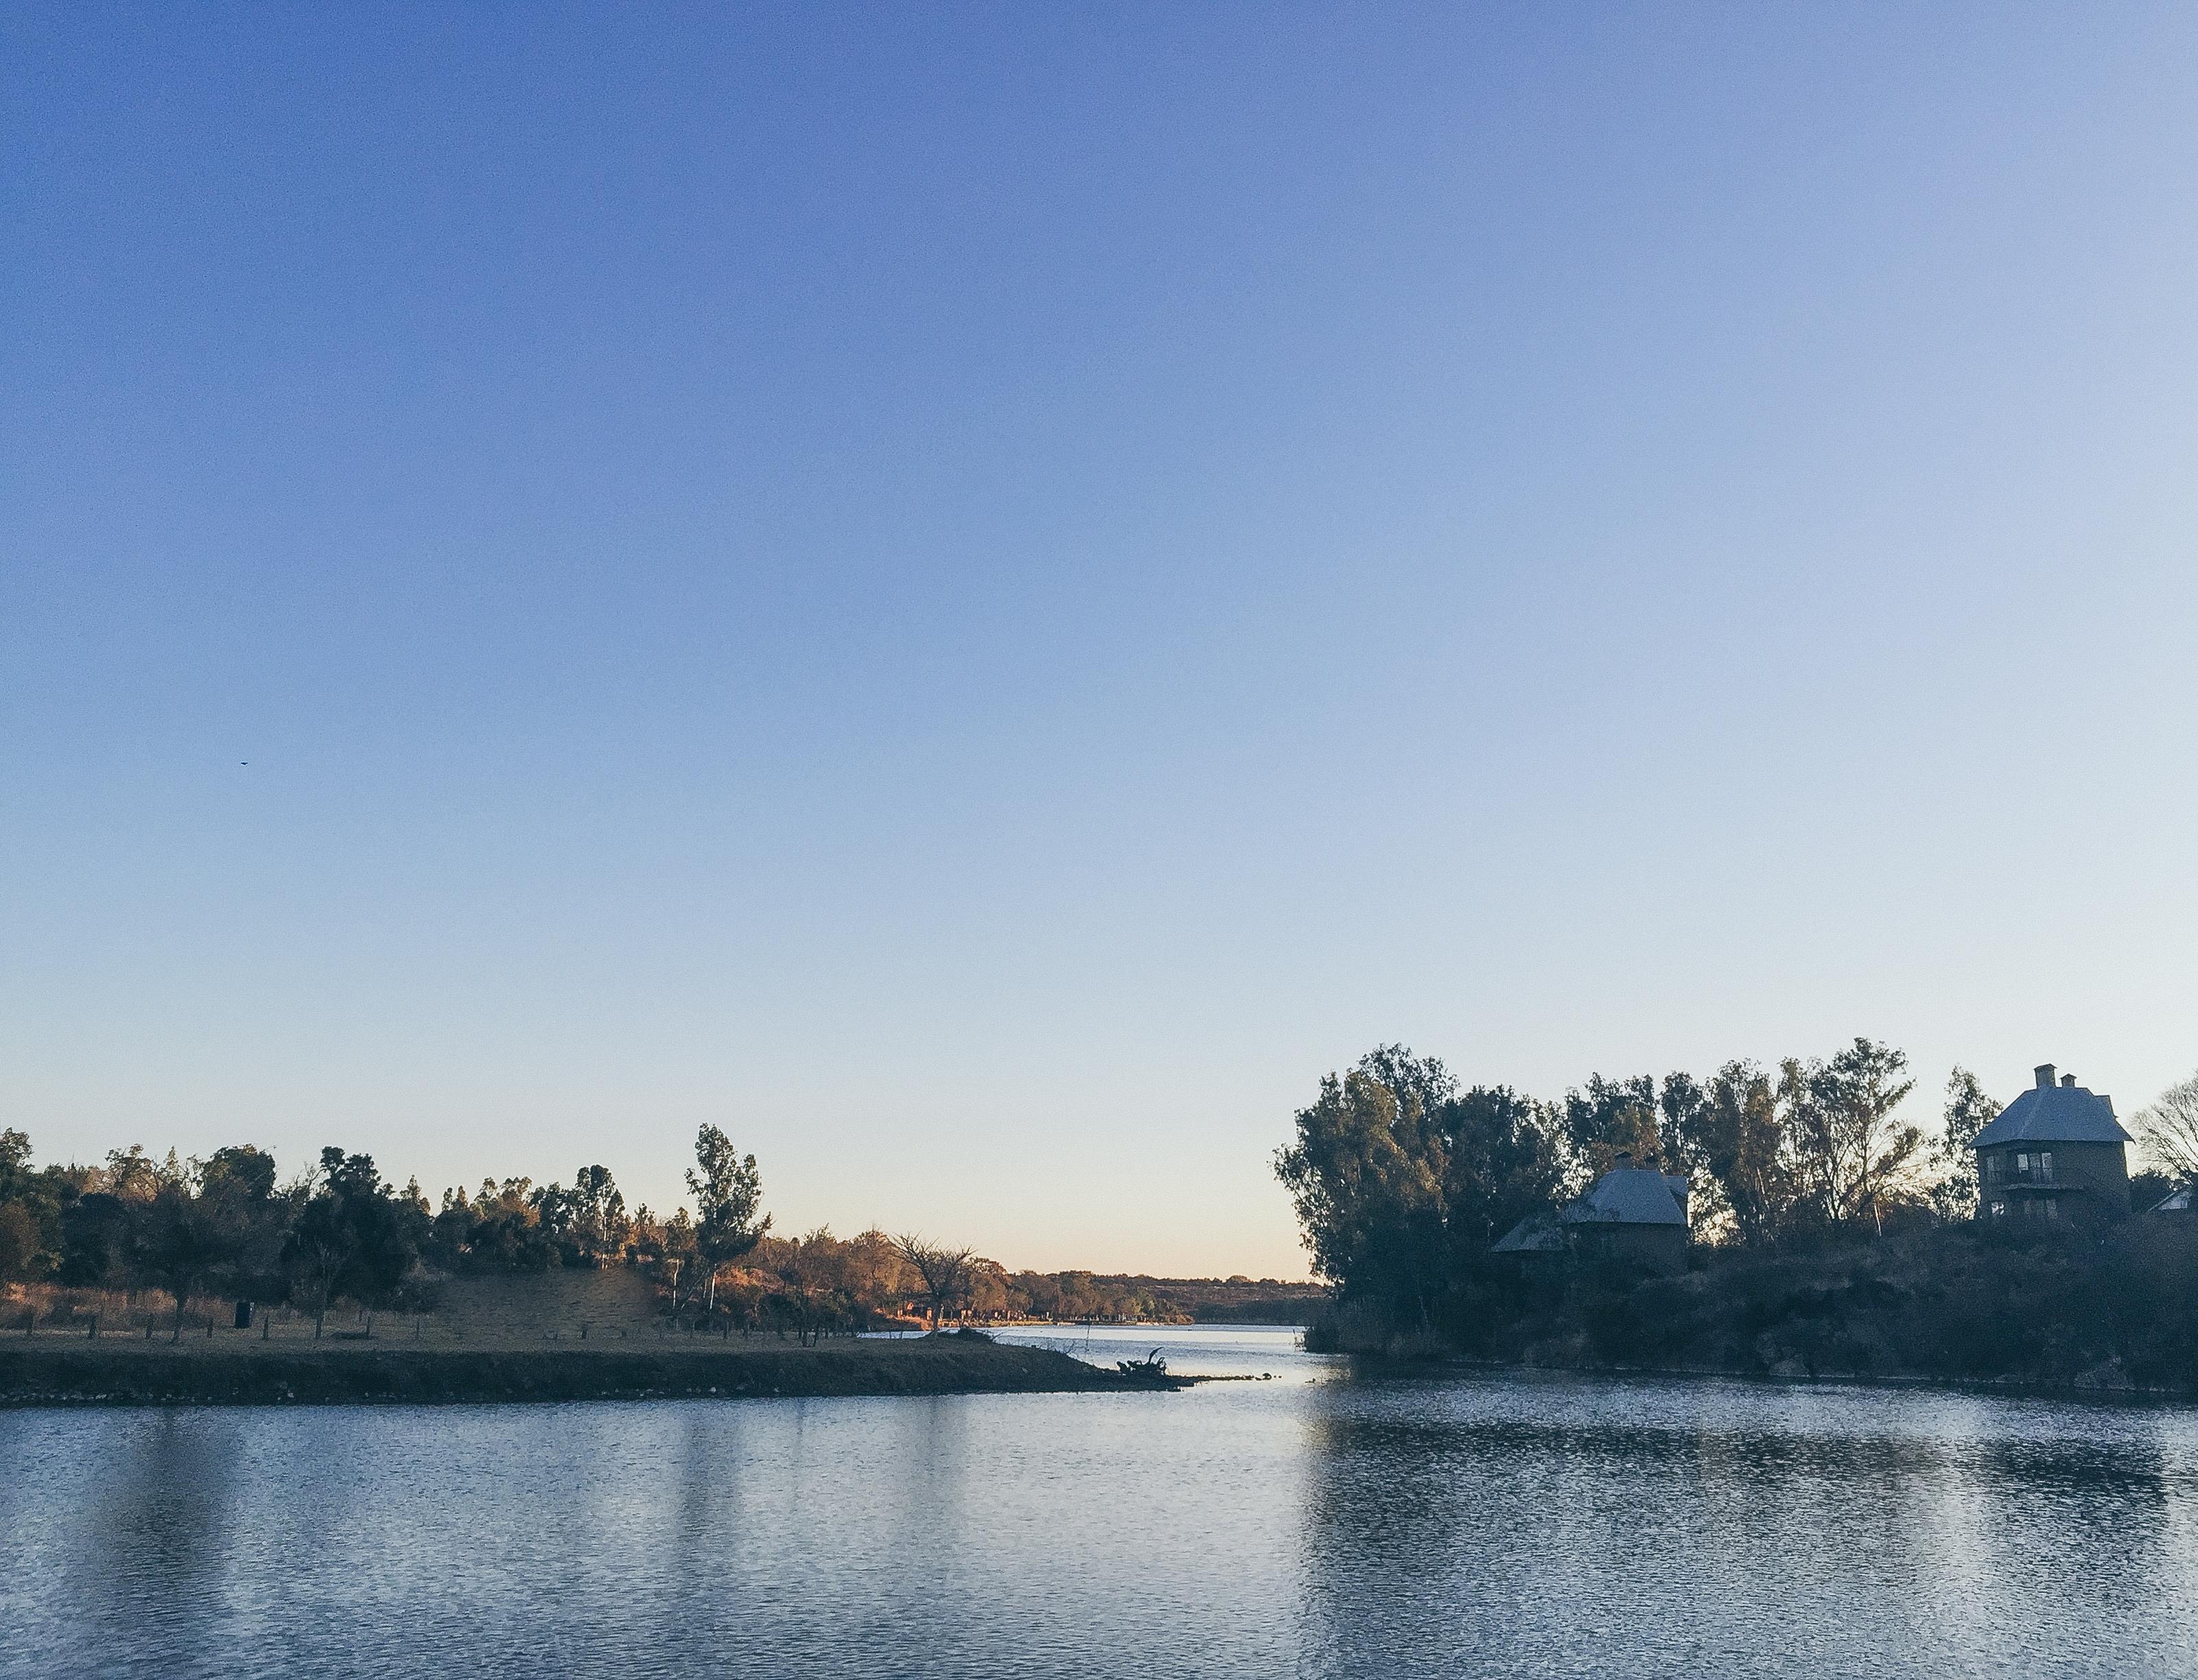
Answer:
(978, 595)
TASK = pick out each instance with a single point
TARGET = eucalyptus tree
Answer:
(1848, 1146)
(1610, 1119)
(1966, 1112)
(1501, 1161)
(1729, 1133)
(727, 1192)
(1366, 1176)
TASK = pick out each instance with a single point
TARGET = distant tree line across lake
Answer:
(230, 1227)
(1827, 1231)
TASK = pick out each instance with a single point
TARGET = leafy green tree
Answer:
(991, 1290)
(1612, 1118)
(674, 1251)
(96, 1242)
(131, 1175)
(349, 1239)
(599, 1219)
(680, 1252)
(240, 1175)
(415, 1218)
(1366, 1177)
(179, 1242)
(814, 1280)
(1501, 1162)
(15, 1164)
(1967, 1111)
(238, 1186)
(877, 1274)
(1849, 1149)
(1729, 1136)
(507, 1232)
(728, 1194)
(444, 1244)
(554, 1212)
(31, 1203)
(587, 1221)
(19, 1241)
(1041, 1295)
(1411, 1079)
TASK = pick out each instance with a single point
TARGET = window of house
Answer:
(2022, 1163)
(2045, 1164)
(1999, 1210)
(2052, 1207)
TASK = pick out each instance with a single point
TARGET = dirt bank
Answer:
(155, 1374)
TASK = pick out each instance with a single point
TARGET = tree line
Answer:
(230, 1226)
(1403, 1178)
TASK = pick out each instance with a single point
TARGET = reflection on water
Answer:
(1648, 1528)
(1309, 1524)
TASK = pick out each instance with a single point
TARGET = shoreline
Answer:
(2042, 1388)
(153, 1374)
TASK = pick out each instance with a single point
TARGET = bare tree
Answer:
(2168, 1130)
(947, 1272)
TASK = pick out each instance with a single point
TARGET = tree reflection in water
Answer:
(1562, 1526)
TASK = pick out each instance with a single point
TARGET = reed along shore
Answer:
(155, 1374)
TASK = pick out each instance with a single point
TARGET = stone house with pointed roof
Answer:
(2056, 1154)
(1632, 1213)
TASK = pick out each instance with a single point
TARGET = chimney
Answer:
(1624, 1158)
(2045, 1076)
(2069, 1080)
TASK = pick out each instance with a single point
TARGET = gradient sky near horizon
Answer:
(979, 594)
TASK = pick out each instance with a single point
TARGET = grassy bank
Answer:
(136, 1373)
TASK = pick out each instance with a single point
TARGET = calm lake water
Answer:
(1311, 1525)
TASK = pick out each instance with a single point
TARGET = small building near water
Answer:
(1632, 1213)
(2054, 1153)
